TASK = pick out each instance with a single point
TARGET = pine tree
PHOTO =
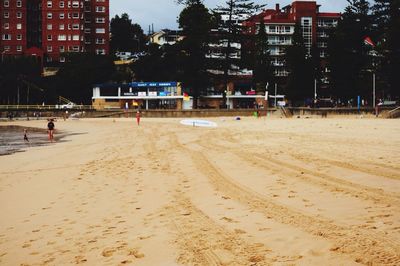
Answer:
(230, 32)
(347, 54)
(386, 15)
(196, 22)
(126, 36)
(300, 81)
(262, 69)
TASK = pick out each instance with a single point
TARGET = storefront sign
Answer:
(164, 93)
(142, 94)
(130, 93)
(250, 92)
(152, 93)
(153, 84)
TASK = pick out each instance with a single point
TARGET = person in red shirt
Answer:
(138, 117)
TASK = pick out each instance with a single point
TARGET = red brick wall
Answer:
(13, 26)
(68, 16)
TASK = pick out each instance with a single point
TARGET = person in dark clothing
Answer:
(26, 135)
(50, 129)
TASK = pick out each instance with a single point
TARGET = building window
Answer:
(62, 59)
(19, 26)
(19, 48)
(75, 26)
(49, 15)
(100, 30)
(6, 37)
(61, 4)
(62, 15)
(62, 49)
(6, 26)
(6, 3)
(49, 26)
(6, 14)
(100, 41)
(49, 37)
(75, 37)
(100, 52)
(62, 37)
(49, 59)
(19, 3)
(61, 26)
(19, 37)
(75, 4)
(49, 4)
(75, 15)
(100, 9)
(306, 28)
(19, 15)
(49, 48)
(6, 48)
(272, 28)
(100, 20)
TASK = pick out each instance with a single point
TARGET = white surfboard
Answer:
(198, 123)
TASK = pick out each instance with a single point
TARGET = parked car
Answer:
(123, 55)
(69, 105)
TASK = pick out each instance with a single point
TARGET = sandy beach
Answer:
(249, 192)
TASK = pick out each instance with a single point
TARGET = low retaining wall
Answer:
(295, 111)
(326, 112)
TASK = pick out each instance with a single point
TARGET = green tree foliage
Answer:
(126, 36)
(262, 69)
(348, 55)
(386, 15)
(16, 76)
(301, 78)
(80, 72)
(230, 32)
(196, 23)
(159, 64)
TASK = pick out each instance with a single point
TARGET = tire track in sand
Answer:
(365, 247)
(201, 241)
(311, 176)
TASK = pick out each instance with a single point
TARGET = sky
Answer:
(164, 13)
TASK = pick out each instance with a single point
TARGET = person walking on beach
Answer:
(138, 117)
(50, 129)
(26, 136)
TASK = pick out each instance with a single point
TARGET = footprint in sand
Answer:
(229, 220)
(108, 252)
(240, 231)
(80, 259)
(135, 253)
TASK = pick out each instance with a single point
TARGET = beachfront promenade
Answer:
(22, 112)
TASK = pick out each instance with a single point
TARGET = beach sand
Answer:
(249, 192)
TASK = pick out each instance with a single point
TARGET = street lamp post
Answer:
(315, 89)
(276, 90)
(373, 89)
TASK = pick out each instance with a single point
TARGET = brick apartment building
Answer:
(280, 25)
(49, 28)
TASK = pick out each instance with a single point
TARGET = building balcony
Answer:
(280, 32)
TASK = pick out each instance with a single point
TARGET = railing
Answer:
(44, 107)
(395, 113)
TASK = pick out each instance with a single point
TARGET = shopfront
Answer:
(144, 95)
